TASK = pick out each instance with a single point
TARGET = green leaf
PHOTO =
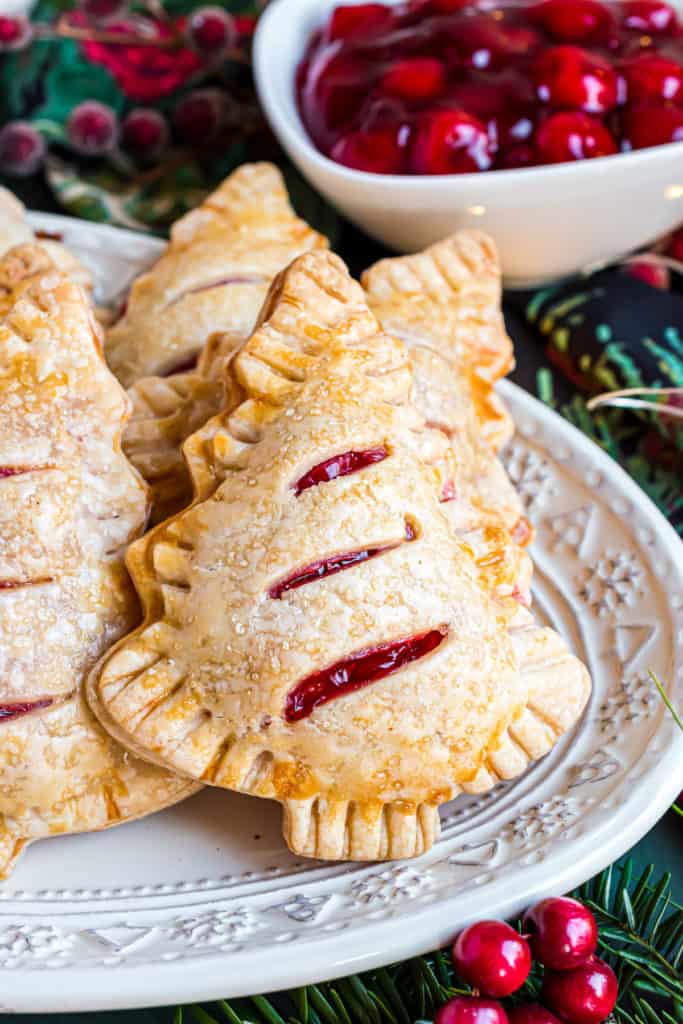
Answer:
(70, 79)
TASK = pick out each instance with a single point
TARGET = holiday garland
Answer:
(641, 937)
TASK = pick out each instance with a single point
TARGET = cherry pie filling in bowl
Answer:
(451, 87)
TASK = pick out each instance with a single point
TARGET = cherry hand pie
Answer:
(70, 505)
(213, 276)
(259, 233)
(15, 230)
(315, 630)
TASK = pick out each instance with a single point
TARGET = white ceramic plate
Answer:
(204, 901)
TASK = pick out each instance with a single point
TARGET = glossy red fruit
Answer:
(484, 43)
(15, 33)
(212, 31)
(651, 271)
(415, 78)
(381, 151)
(471, 1010)
(492, 957)
(575, 21)
(144, 134)
(200, 116)
(562, 933)
(650, 77)
(336, 85)
(675, 250)
(22, 149)
(352, 21)
(653, 126)
(92, 128)
(586, 995)
(523, 155)
(533, 1013)
(570, 77)
(651, 16)
(573, 136)
(450, 142)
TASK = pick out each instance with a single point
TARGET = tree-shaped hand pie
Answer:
(70, 504)
(314, 631)
(213, 276)
(250, 226)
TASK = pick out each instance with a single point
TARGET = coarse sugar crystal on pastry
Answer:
(70, 503)
(212, 277)
(314, 630)
(253, 228)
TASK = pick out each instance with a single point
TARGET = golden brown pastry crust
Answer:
(213, 276)
(207, 684)
(70, 504)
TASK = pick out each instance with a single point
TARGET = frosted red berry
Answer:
(532, 1013)
(22, 149)
(471, 1010)
(92, 128)
(492, 957)
(200, 116)
(212, 31)
(15, 33)
(562, 932)
(144, 134)
(585, 995)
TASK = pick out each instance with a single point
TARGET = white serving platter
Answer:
(204, 900)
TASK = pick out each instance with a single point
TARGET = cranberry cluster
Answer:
(451, 86)
(561, 934)
(93, 129)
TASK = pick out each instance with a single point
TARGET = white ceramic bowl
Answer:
(548, 221)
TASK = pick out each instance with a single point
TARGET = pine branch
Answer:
(641, 936)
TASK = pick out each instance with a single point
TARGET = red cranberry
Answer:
(450, 142)
(585, 995)
(92, 128)
(346, 22)
(212, 31)
(381, 151)
(200, 116)
(567, 76)
(532, 1013)
(563, 933)
(675, 250)
(337, 84)
(653, 126)
(651, 16)
(145, 134)
(575, 21)
(483, 42)
(471, 1010)
(651, 77)
(573, 136)
(492, 957)
(22, 149)
(414, 78)
(15, 33)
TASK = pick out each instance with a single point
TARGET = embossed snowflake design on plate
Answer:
(204, 901)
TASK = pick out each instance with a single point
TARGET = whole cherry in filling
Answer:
(458, 87)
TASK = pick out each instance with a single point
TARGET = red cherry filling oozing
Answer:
(358, 670)
(455, 87)
(20, 708)
(334, 564)
(339, 465)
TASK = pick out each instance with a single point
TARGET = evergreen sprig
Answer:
(641, 936)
